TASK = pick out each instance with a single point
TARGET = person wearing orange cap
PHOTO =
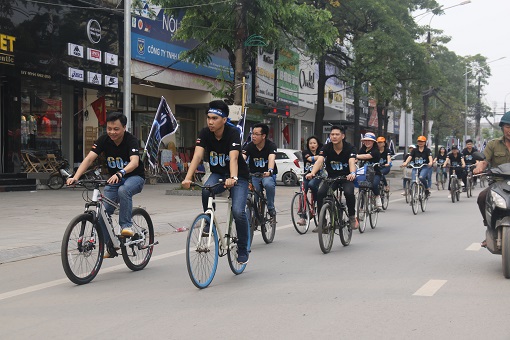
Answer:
(421, 155)
(385, 161)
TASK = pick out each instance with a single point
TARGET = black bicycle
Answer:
(258, 215)
(333, 217)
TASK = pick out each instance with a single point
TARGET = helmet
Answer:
(422, 139)
(505, 119)
(412, 146)
(381, 139)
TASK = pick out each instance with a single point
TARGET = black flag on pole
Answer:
(164, 125)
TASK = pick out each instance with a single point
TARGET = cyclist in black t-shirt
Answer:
(467, 152)
(127, 175)
(439, 160)
(421, 155)
(369, 154)
(221, 143)
(340, 159)
(261, 155)
(310, 156)
(456, 161)
(385, 161)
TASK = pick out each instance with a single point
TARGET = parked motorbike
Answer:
(57, 179)
(497, 214)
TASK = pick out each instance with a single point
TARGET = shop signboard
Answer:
(7, 43)
(288, 77)
(152, 42)
(307, 82)
(265, 74)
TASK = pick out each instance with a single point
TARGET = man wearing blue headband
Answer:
(222, 143)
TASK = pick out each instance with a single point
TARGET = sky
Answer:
(480, 27)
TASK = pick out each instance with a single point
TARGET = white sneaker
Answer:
(378, 202)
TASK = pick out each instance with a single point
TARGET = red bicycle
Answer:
(303, 208)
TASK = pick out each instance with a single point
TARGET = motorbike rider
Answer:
(496, 152)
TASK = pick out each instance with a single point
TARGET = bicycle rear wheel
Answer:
(56, 181)
(373, 212)
(137, 256)
(201, 259)
(345, 228)
(415, 197)
(235, 266)
(326, 227)
(362, 211)
(300, 210)
(82, 249)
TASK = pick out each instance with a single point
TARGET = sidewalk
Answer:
(33, 223)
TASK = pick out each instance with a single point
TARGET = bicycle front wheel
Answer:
(300, 213)
(453, 189)
(269, 226)
(415, 197)
(326, 227)
(56, 181)
(407, 191)
(202, 257)
(250, 213)
(374, 213)
(345, 229)
(235, 266)
(82, 249)
(137, 255)
(385, 198)
(362, 211)
(424, 199)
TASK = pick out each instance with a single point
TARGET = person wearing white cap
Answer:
(370, 155)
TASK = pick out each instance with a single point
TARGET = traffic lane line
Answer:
(54, 283)
(430, 288)
(474, 247)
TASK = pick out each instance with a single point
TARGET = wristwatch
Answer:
(235, 178)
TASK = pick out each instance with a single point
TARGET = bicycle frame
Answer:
(98, 200)
(224, 234)
(256, 197)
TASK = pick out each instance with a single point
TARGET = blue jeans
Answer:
(239, 195)
(269, 184)
(122, 193)
(313, 185)
(384, 171)
(424, 176)
(375, 185)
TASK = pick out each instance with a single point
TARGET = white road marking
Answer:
(430, 288)
(50, 284)
(474, 247)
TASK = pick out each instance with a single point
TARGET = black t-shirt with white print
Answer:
(420, 157)
(258, 160)
(455, 160)
(468, 156)
(441, 158)
(217, 151)
(117, 157)
(374, 152)
(337, 164)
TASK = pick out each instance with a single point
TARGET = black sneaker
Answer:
(205, 232)
(242, 256)
(427, 192)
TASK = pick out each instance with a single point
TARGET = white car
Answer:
(397, 160)
(287, 161)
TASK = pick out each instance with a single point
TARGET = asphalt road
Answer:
(412, 277)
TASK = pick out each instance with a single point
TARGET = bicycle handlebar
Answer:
(409, 166)
(195, 184)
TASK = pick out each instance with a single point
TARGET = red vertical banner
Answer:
(99, 107)
(286, 133)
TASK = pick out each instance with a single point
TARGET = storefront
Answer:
(51, 55)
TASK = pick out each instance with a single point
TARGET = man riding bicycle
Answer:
(127, 175)
(222, 142)
(340, 159)
(421, 155)
(456, 162)
(467, 152)
(261, 154)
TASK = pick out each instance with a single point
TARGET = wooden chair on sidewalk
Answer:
(32, 163)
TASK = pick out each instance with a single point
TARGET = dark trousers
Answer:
(481, 200)
(347, 187)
